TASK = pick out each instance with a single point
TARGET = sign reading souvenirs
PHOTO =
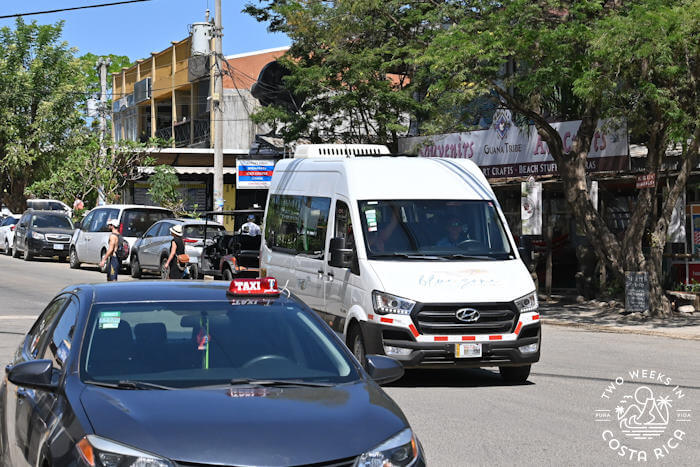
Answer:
(646, 181)
(505, 150)
(636, 291)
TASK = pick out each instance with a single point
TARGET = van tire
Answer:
(515, 374)
(135, 267)
(74, 261)
(357, 344)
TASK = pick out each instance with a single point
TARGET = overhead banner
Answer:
(254, 174)
(506, 150)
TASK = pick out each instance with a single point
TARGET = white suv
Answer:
(49, 205)
(91, 237)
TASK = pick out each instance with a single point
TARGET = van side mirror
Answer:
(341, 257)
(525, 256)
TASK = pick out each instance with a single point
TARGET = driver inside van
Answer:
(455, 233)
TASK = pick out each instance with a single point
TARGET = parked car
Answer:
(174, 373)
(228, 256)
(49, 205)
(7, 232)
(151, 250)
(91, 238)
(42, 233)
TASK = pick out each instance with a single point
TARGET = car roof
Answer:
(46, 211)
(169, 291)
(130, 206)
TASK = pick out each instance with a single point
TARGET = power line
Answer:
(72, 8)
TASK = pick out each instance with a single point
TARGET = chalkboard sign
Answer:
(636, 291)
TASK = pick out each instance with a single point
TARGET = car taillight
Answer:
(190, 240)
(12, 227)
(121, 228)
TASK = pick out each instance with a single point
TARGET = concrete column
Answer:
(173, 100)
(153, 99)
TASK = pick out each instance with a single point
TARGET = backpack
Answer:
(122, 248)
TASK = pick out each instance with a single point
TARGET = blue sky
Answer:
(129, 29)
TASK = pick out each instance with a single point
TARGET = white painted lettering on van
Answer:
(456, 282)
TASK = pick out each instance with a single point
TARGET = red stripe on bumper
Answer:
(440, 338)
(468, 338)
(517, 329)
(495, 338)
(413, 329)
(386, 320)
(535, 317)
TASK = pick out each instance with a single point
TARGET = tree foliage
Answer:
(163, 189)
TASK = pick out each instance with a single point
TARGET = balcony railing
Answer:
(182, 133)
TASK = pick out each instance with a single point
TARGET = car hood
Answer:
(249, 425)
(53, 230)
(454, 281)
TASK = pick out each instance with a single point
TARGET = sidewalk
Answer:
(611, 317)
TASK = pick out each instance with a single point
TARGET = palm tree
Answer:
(619, 410)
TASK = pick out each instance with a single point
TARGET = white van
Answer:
(408, 257)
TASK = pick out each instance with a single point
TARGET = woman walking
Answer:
(173, 264)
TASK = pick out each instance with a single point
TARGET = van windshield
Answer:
(439, 229)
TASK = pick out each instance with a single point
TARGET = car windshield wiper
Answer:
(476, 257)
(126, 384)
(407, 256)
(277, 382)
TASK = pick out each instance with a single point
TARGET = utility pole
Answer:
(217, 101)
(102, 64)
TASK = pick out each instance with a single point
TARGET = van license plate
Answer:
(57, 247)
(467, 350)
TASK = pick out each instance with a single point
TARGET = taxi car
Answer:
(185, 373)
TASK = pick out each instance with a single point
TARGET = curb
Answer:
(619, 330)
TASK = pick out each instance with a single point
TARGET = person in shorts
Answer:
(110, 257)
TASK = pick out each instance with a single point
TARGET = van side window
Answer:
(343, 224)
(297, 224)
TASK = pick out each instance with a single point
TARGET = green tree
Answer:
(552, 60)
(40, 89)
(163, 189)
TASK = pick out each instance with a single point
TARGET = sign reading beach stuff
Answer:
(506, 150)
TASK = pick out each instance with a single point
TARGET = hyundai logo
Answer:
(468, 315)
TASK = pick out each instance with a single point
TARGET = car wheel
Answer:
(515, 374)
(164, 273)
(74, 261)
(357, 345)
(227, 275)
(15, 251)
(194, 272)
(135, 267)
(8, 250)
(27, 255)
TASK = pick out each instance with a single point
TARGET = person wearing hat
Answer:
(250, 227)
(110, 257)
(177, 248)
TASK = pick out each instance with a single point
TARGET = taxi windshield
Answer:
(436, 229)
(192, 344)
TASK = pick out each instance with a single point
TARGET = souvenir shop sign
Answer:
(506, 150)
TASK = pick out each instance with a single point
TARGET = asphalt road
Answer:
(469, 417)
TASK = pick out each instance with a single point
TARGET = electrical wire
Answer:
(124, 2)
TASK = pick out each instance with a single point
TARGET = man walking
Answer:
(111, 256)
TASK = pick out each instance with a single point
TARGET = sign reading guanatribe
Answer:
(505, 150)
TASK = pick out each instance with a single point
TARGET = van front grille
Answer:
(493, 318)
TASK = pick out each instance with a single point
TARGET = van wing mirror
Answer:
(341, 257)
(526, 256)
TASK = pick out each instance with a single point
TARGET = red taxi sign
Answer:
(263, 286)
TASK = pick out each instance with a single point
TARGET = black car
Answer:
(189, 373)
(43, 233)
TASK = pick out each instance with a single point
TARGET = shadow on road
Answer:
(452, 378)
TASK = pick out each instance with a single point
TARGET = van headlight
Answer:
(101, 452)
(385, 303)
(398, 451)
(527, 303)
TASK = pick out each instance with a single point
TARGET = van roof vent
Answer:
(340, 150)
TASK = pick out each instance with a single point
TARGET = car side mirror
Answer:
(382, 369)
(35, 374)
(341, 257)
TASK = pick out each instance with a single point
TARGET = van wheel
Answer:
(74, 261)
(357, 344)
(227, 275)
(135, 267)
(15, 251)
(103, 269)
(515, 374)
(27, 255)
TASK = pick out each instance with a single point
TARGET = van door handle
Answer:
(330, 277)
(320, 273)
